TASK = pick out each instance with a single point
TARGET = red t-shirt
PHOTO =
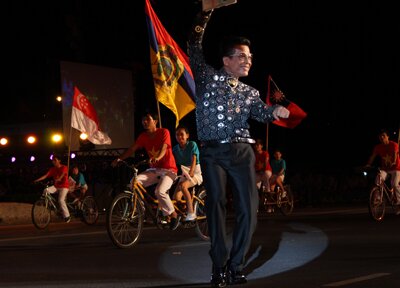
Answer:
(260, 160)
(386, 152)
(56, 172)
(153, 146)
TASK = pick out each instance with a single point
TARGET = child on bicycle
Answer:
(186, 155)
(79, 183)
(278, 165)
(59, 173)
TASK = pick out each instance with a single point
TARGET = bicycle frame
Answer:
(47, 205)
(276, 198)
(380, 194)
(128, 210)
(150, 202)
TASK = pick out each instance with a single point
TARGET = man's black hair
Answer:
(228, 44)
(384, 131)
(151, 113)
(58, 156)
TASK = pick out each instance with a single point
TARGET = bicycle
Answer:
(380, 195)
(283, 200)
(130, 208)
(47, 205)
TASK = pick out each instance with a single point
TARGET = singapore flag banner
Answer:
(84, 118)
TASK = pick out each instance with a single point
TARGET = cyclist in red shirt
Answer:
(59, 173)
(262, 166)
(163, 170)
(388, 151)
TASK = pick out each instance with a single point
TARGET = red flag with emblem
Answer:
(276, 96)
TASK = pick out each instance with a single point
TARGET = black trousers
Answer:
(233, 162)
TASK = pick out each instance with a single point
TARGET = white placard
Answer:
(212, 4)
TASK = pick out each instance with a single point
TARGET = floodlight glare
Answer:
(83, 136)
(3, 141)
(56, 138)
(31, 139)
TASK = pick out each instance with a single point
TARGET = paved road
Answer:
(311, 248)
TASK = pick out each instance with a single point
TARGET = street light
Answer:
(31, 139)
(56, 138)
(3, 141)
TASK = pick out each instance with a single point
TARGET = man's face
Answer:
(148, 122)
(239, 63)
(383, 137)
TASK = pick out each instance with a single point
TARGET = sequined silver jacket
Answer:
(223, 103)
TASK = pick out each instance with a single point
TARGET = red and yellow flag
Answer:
(173, 78)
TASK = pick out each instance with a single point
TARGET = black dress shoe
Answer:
(218, 277)
(235, 277)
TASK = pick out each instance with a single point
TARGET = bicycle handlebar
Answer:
(135, 165)
(44, 183)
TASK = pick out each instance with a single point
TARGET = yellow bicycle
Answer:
(130, 209)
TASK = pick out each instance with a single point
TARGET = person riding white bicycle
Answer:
(59, 173)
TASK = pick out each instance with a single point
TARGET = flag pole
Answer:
(266, 101)
(159, 114)
(266, 138)
(70, 140)
(275, 83)
(398, 136)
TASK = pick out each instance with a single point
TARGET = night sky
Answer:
(338, 61)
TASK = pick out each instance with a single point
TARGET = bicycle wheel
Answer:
(125, 220)
(287, 201)
(377, 204)
(262, 197)
(41, 214)
(200, 210)
(89, 210)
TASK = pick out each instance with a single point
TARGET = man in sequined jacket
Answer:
(223, 106)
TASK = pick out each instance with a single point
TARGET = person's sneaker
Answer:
(174, 223)
(67, 219)
(284, 194)
(164, 220)
(270, 210)
(190, 217)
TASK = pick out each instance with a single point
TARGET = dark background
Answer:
(337, 60)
